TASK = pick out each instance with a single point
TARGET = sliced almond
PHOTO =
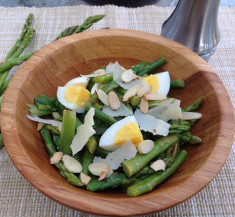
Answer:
(57, 157)
(130, 93)
(55, 115)
(128, 76)
(98, 167)
(39, 127)
(145, 89)
(103, 97)
(191, 115)
(85, 179)
(144, 106)
(114, 101)
(103, 174)
(145, 147)
(99, 71)
(158, 165)
(71, 164)
(154, 96)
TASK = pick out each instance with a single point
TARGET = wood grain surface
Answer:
(65, 59)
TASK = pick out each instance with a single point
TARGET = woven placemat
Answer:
(19, 198)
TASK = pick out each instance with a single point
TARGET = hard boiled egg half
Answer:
(74, 94)
(160, 82)
(117, 134)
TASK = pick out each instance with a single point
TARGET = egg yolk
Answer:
(77, 95)
(130, 131)
(153, 81)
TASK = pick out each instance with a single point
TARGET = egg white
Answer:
(164, 82)
(63, 101)
(107, 139)
(79, 81)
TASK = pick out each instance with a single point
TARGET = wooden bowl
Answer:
(65, 59)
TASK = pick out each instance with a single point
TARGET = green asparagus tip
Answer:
(195, 140)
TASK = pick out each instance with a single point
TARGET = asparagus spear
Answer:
(135, 164)
(21, 38)
(5, 85)
(151, 182)
(153, 66)
(139, 67)
(34, 111)
(70, 177)
(177, 84)
(103, 78)
(100, 152)
(195, 106)
(101, 115)
(67, 131)
(114, 180)
(106, 88)
(87, 159)
(92, 144)
(89, 22)
(186, 137)
(14, 62)
(77, 29)
(67, 32)
(1, 141)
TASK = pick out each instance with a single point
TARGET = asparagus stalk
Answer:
(195, 106)
(92, 144)
(135, 164)
(87, 159)
(67, 131)
(27, 40)
(100, 152)
(114, 180)
(70, 177)
(14, 62)
(21, 38)
(103, 78)
(153, 66)
(151, 182)
(67, 32)
(139, 67)
(101, 115)
(89, 22)
(106, 88)
(5, 85)
(1, 141)
(34, 111)
(177, 84)
(77, 29)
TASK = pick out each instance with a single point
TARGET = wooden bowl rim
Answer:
(22, 161)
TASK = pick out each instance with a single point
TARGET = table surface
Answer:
(19, 198)
(52, 3)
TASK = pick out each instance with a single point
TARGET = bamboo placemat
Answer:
(19, 198)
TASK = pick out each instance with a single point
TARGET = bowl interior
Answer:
(63, 60)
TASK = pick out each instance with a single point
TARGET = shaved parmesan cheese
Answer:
(90, 75)
(115, 158)
(167, 110)
(114, 68)
(103, 97)
(95, 88)
(122, 111)
(151, 124)
(117, 71)
(44, 121)
(84, 132)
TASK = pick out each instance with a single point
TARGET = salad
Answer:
(117, 127)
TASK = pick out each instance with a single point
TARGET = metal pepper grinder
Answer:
(194, 24)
